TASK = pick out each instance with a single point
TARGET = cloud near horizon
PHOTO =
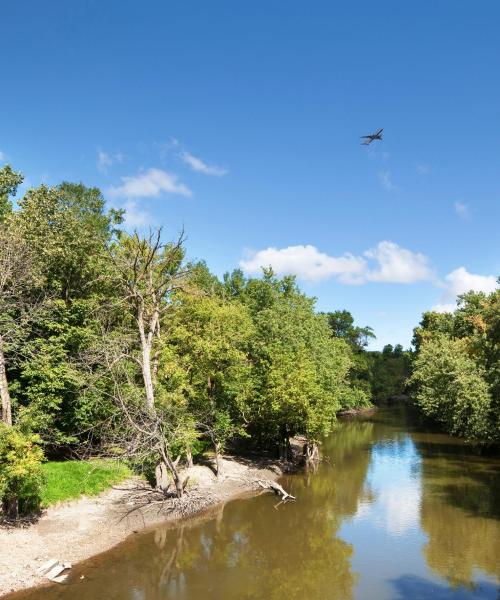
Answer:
(459, 282)
(149, 184)
(387, 262)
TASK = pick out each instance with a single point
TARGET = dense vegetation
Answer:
(456, 374)
(114, 345)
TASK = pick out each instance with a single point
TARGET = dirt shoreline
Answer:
(77, 530)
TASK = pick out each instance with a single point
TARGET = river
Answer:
(395, 512)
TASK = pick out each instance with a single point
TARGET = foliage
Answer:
(389, 370)
(341, 323)
(456, 375)
(9, 181)
(115, 342)
(20, 471)
(70, 479)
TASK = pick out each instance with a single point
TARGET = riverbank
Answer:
(77, 530)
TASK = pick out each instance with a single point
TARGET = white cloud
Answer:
(392, 264)
(150, 184)
(105, 160)
(462, 210)
(306, 262)
(423, 169)
(386, 181)
(196, 164)
(134, 216)
(444, 307)
(2, 156)
(398, 265)
(460, 281)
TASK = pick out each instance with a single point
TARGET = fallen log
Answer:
(267, 484)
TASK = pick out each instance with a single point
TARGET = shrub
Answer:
(20, 471)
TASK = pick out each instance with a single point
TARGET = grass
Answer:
(71, 479)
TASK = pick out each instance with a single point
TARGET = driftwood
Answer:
(267, 484)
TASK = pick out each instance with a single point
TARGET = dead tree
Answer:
(148, 273)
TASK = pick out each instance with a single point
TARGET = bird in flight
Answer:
(372, 137)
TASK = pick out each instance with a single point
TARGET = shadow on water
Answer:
(410, 587)
(465, 476)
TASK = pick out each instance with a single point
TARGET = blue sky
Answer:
(241, 121)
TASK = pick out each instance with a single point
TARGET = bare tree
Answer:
(148, 274)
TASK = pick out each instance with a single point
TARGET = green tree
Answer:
(9, 182)
(68, 231)
(20, 471)
(451, 387)
(211, 336)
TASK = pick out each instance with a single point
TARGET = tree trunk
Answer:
(4, 389)
(172, 467)
(285, 449)
(11, 507)
(147, 377)
(218, 461)
(189, 457)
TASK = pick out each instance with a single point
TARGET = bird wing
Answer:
(378, 132)
(365, 136)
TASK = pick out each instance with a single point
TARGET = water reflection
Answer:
(460, 509)
(394, 513)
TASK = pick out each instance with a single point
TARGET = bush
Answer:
(20, 471)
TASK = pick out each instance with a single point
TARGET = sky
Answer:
(241, 122)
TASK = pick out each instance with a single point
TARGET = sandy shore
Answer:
(79, 529)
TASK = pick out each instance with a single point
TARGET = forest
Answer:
(113, 344)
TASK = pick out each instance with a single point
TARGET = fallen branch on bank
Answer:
(267, 484)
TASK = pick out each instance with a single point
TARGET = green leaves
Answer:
(9, 181)
(20, 471)
(457, 367)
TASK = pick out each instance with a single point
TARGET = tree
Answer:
(18, 275)
(341, 323)
(148, 273)
(68, 231)
(451, 387)
(9, 182)
(210, 336)
(470, 341)
(299, 370)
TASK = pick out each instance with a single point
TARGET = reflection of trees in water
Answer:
(460, 509)
(254, 551)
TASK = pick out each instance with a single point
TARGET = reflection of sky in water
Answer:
(394, 483)
(386, 532)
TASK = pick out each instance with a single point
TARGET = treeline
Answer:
(456, 370)
(115, 344)
(379, 376)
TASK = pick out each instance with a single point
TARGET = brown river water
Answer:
(396, 512)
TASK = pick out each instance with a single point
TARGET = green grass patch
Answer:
(72, 478)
